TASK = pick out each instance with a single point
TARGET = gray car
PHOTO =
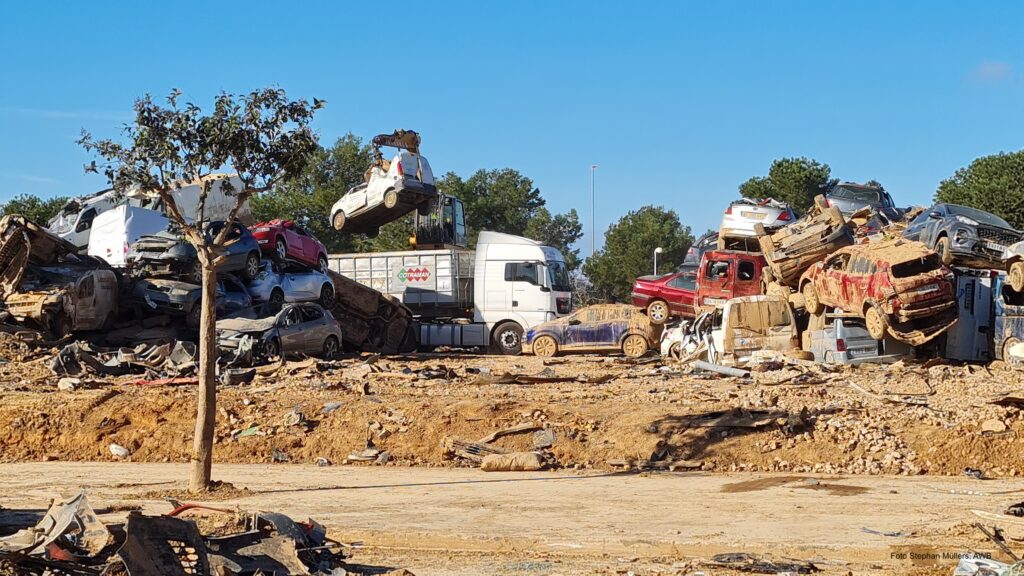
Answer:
(296, 329)
(168, 254)
(850, 197)
(276, 285)
(965, 236)
(177, 298)
(845, 340)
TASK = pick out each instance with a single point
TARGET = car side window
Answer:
(921, 218)
(716, 269)
(292, 317)
(85, 220)
(837, 262)
(310, 313)
(683, 281)
(746, 270)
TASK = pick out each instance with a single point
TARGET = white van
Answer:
(114, 231)
(74, 221)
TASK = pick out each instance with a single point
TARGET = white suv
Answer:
(392, 189)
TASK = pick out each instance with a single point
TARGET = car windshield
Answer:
(869, 195)
(980, 215)
(558, 274)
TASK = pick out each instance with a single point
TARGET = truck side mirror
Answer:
(545, 289)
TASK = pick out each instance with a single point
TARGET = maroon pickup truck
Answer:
(668, 295)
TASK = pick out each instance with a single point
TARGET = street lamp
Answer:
(656, 252)
(593, 234)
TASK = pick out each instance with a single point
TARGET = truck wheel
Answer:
(545, 346)
(658, 312)
(945, 250)
(811, 302)
(390, 199)
(635, 346)
(338, 220)
(508, 339)
(1016, 276)
(875, 322)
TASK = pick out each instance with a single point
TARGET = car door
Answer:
(715, 280)
(290, 331)
(678, 292)
(313, 328)
(746, 282)
(308, 246)
(828, 283)
(302, 284)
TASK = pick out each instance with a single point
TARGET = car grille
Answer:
(998, 235)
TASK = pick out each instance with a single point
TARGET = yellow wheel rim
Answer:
(544, 346)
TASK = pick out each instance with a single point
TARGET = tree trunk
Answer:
(206, 394)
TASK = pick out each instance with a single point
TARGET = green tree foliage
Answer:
(34, 208)
(628, 250)
(795, 181)
(991, 183)
(506, 201)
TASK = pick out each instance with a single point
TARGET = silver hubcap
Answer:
(509, 339)
(658, 311)
(282, 249)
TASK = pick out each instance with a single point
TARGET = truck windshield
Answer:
(559, 277)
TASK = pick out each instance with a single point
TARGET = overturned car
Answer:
(899, 287)
(46, 285)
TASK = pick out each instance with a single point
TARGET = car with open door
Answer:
(727, 274)
(287, 240)
(601, 327)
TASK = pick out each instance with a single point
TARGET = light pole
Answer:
(593, 233)
(656, 252)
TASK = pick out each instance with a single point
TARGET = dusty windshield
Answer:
(558, 274)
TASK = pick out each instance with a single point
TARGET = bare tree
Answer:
(263, 137)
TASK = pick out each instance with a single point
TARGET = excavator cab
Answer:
(442, 225)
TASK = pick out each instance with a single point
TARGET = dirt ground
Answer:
(608, 415)
(444, 522)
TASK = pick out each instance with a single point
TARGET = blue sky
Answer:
(677, 102)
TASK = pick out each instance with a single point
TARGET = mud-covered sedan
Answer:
(602, 327)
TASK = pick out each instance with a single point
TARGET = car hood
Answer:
(247, 324)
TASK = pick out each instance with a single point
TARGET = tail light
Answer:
(840, 345)
(729, 209)
(401, 172)
(785, 216)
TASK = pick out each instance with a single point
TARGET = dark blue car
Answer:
(602, 327)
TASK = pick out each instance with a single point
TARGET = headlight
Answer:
(961, 235)
(966, 220)
(179, 292)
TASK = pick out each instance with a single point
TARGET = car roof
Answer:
(892, 250)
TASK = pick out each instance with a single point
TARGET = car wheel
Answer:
(944, 249)
(276, 300)
(508, 339)
(635, 346)
(322, 262)
(373, 233)
(1016, 277)
(338, 220)
(1007, 344)
(875, 322)
(272, 349)
(658, 312)
(327, 296)
(195, 315)
(835, 215)
(252, 267)
(390, 199)
(545, 346)
(426, 208)
(281, 250)
(331, 348)
(811, 302)
(195, 273)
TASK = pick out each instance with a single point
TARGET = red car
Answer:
(668, 295)
(727, 274)
(284, 239)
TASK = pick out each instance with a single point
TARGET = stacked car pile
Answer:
(863, 281)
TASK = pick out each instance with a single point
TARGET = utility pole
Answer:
(593, 232)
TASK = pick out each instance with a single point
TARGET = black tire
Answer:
(322, 262)
(252, 267)
(281, 250)
(276, 300)
(326, 297)
(507, 339)
(331, 348)
(271, 349)
(409, 341)
(426, 208)
(373, 233)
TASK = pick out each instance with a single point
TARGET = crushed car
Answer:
(296, 329)
(668, 295)
(169, 254)
(794, 248)
(841, 338)
(177, 298)
(47, 286)
(900, 287)
(286, 240)
(964, 236)
(601, 327)
(277, 284)
(850, 198)
(392, 188)
(730, 335)
(737, 229)
(726, 274)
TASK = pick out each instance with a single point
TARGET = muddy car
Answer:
(602, 327)
(850, 197)
(899, 287)
(176, 298)
(666, 296)
(964, 236)
(296, 329)
(796, 247)
(46, 285)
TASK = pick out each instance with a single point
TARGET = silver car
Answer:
(296, 329)
(275, 286)
(850, 197)
(737, 229)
